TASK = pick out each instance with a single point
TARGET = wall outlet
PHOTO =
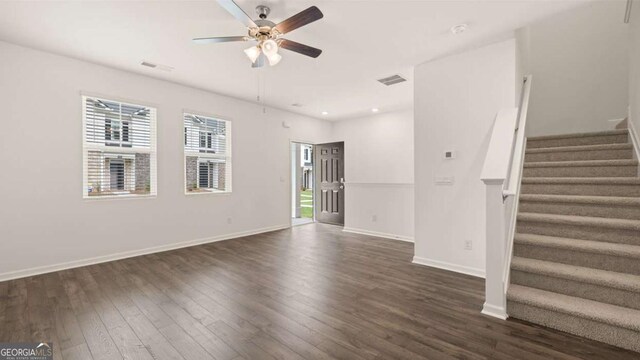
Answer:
(229, 220)
(449, 155)
(468, 245)
(374, 218)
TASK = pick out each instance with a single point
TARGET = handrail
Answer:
(515, 176)
(517, 152)
(502, 174)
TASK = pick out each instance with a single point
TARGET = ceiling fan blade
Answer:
(260, 61)
(300, 19)
(220, 39)
(237, 12)
(300, 48)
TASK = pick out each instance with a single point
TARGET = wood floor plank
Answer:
(121, 333)
(97, 337)
(65, 323)
(16, 320)
(41, 318)
(155, 343)
(78, 352)
(309, 292)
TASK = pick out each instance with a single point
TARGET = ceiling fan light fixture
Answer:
(252, 53)
(274, 59)
(269, 47)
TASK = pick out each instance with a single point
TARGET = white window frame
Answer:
(120, 149)
(203, 153)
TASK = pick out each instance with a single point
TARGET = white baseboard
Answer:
(495, 311)
(635, 137)
(378, 234)
(127, 254)
(449, 266)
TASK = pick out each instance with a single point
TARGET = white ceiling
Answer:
(362, 41)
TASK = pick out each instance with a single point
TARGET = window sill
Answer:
(116, 197)
(208, 193)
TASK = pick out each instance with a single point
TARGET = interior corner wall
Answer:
(634, 68)
(579, 60)
(456, 101)
(45, 224)
(379, 197)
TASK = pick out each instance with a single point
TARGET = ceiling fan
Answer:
(267, 34)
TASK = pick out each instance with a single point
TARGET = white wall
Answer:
(456, 101)
(379, 173)
(634, 64)
(579, 61)
(44, 220)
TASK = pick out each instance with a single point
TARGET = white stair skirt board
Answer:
(634, 137)
(378, 234)
(133, 253)
(449, 266)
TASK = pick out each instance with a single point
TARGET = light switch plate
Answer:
(444, 180)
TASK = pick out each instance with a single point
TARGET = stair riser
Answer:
(621, 236)
(582, 189)
(594, 210)
(579, 258)
(580, 155)
(579, 171)
(583, 290)
(610, 334)
(577, 141)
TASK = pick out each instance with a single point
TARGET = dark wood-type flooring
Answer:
(311, 292)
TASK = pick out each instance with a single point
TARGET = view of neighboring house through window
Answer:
(119, 148)
(207, 150)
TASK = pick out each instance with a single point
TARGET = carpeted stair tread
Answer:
(582, 180)
(623, 224)
(579, 199)
(576, 252)
(588, 246)
(579, 135)
(604, 278)
(598, 147)
(593, 310)
(582, 163)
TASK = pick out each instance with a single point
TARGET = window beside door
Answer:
(207, 147)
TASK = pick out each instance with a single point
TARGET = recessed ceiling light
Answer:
(375, 110)
(325, 113)
(459, 29)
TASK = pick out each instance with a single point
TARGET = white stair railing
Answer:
(502, 174)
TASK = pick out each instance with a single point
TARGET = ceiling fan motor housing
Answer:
(263, 11)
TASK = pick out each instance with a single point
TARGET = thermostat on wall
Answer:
(449, 155)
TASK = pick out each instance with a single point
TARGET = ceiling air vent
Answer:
(392, 80)
(156, 66)
(148, 64)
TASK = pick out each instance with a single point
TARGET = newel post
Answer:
(495, 298)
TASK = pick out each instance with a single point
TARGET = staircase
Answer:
(576, 257)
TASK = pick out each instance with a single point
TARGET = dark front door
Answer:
(116, 173)
(329, 189)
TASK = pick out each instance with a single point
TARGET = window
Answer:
(207, 151)
(119, 148)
